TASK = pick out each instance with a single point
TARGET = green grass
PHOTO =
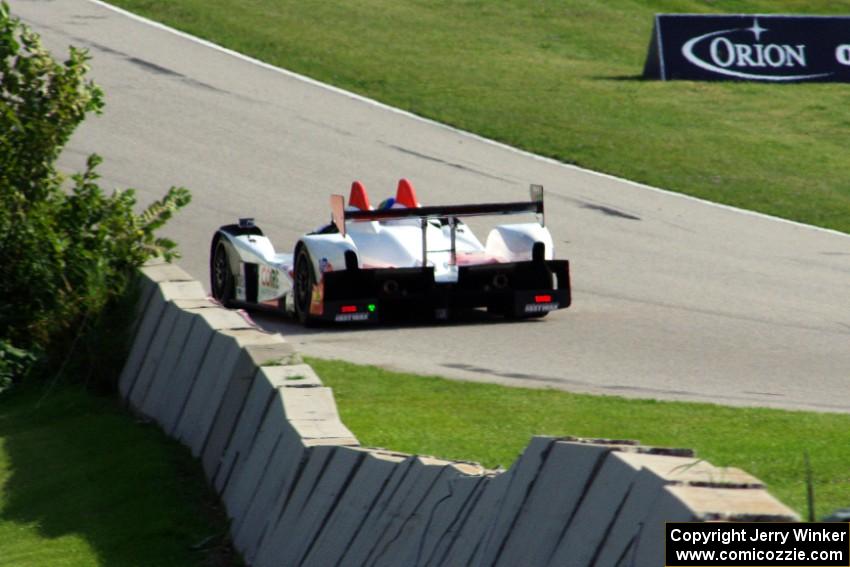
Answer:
(492, 424)
(561, 78)
(83, 484)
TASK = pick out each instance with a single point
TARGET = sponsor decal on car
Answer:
(269, 277)
(540, 307)
(317, 303)
(352, 317)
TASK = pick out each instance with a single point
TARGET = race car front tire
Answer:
(303, 286)
(222, 279)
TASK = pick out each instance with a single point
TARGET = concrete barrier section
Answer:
(375, 521)
(305, 525)
(312, 413)
(684, 503)
(156, 352)
(146, 286)
(454, 520)
(602, 503)
(470, 537)
(257, 403)
(163, 293)
(239, 492)
(295, 375)
(427, 521)
(301, 491)
(276, 482)
(278, 533)
(402, 509)
(551, 503)
(153, 380)
(214, 376)
(223, 420)
(153, 273)
(655, 472)
(167, 396)
(172, 399)
(525, 473)
(355, 504)
(144, 334)
(149, 402)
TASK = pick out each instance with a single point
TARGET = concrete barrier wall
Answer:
(299, 489)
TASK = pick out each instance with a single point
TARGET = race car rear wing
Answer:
(535, 205)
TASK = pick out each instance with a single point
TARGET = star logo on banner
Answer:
(757, 29)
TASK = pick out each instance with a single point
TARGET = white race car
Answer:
(370, 263)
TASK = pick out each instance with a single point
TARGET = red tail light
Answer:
(542, 299)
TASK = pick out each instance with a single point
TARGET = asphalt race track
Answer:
(673, 298)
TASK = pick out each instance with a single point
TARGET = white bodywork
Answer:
(385, 244)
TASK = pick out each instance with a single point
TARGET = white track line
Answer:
(501, 145)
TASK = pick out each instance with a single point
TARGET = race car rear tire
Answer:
(220, 275)
(303, 286)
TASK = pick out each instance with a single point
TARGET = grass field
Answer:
(492, 424)
(82, 484)
(562, 78)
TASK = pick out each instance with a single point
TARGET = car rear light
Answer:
(348, 309)
(542, 299)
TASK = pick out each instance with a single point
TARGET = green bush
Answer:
(68, 251)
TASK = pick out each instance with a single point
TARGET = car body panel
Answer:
(375, 265)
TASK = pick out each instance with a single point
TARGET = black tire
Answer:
(221, 279)
(302, 288)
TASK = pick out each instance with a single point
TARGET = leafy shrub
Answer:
(68, 251)
(13, 361)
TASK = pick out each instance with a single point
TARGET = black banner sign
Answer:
(749, 48)
(754, 544)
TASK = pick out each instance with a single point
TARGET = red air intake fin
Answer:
(406, 194)
(358, 197)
